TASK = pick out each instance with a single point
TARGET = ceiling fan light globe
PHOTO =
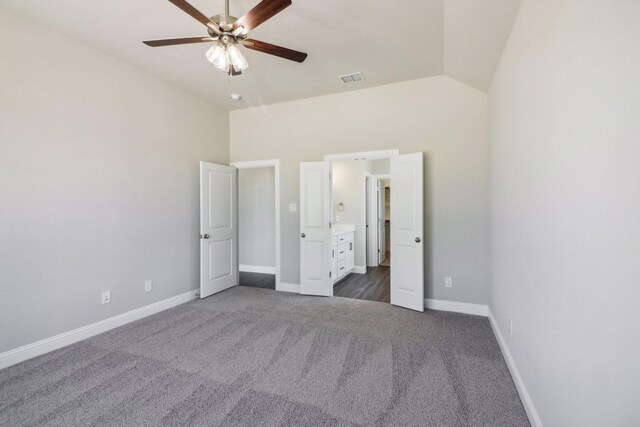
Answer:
(236, 58)
(215, 52)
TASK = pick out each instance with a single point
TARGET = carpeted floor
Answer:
(251, 356)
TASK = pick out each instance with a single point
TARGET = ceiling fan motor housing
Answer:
(224, 21)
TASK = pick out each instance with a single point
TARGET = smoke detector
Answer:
(352, 78)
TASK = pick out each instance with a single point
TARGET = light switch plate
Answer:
(106, 297)
(293, 207)
(148, 286)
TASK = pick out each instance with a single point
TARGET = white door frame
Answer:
(365, 155)
(273, 163)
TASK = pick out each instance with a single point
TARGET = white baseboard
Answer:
(456, 307)
(46, 345)
(359, 269)
(257, 269)
(288, 287)
(530, 409)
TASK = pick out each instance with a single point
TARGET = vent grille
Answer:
(352, 78)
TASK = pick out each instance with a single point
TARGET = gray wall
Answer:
(565, 155)
(380, 167)
(349, 187)
(98, 183)
(438, 116)
(257, 217)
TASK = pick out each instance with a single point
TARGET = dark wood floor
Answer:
(372, 286)
(258, 280)
(375, 285)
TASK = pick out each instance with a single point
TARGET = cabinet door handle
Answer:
(350, 246)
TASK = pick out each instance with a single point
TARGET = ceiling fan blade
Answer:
(184, 40)
(199, 16)
(272, 49)
(266, 9)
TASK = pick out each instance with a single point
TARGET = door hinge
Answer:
(378, 250)
(329, 224)
(329, 275)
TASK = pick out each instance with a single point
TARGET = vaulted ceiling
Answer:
(387, 41)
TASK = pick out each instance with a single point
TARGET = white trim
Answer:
(366, 155)
(257, 269)
(273, 163)
(46, 345)
(359, 269)
(381, 176)
(456, 307)
(530, 409)
(289, 287)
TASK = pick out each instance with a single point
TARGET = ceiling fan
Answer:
(228, 32)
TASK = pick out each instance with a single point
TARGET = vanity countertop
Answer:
(343, 228)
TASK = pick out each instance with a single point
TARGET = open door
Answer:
(218, 228)
(407, 273)
(382, 244)
(315, 229)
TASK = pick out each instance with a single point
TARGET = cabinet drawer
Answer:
(341, 238)
(342, 268)
(342, 251)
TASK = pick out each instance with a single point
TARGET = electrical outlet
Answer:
(293, 207)
(510, 327)
(148, 286)
(448, 282)
(106, 297)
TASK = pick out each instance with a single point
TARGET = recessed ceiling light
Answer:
(236, 97)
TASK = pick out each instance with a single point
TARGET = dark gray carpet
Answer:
(251, 356)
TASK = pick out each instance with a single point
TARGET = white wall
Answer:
(438, 116)
(565, 153)
(98, 183)
(257, 217)
(349, 188)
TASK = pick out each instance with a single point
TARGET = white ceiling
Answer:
(388, 41)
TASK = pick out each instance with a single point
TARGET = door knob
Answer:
(418, 240)
(206, 236)
(303, 235)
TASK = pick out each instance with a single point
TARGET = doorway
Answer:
(326, 239)
(257, 227)
(360, 208)
(259, 223)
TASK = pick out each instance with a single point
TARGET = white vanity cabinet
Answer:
(342, 253)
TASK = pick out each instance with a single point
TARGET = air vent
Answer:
(352, 78)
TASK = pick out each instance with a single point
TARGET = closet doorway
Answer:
(258, 224)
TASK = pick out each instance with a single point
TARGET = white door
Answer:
(218, 229)
(315, 229)
(407, 273)
(382, 244)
